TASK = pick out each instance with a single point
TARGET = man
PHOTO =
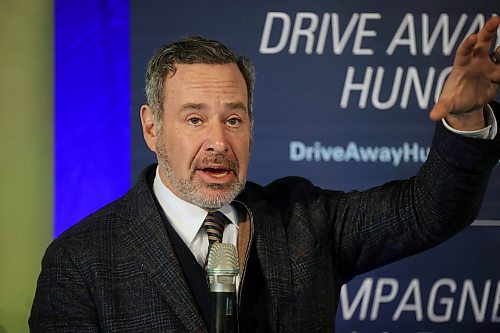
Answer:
(137, 264)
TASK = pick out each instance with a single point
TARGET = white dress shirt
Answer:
(187, 220)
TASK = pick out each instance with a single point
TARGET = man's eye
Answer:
(233, 122)
(194, 121)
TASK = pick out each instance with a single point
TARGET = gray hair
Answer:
(191, 50)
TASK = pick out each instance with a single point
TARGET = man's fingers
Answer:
(465, 50)
(489, 30)
(439, 111)
(472, 69)
(486, 34)
(478, 44)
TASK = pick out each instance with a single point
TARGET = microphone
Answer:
(222, 270)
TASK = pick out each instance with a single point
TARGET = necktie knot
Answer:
(214, 224)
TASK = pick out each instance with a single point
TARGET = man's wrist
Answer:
(467, 121)
(487, 131)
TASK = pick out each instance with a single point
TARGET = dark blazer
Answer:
(116, 270)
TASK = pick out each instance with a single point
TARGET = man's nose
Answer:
(216, 139)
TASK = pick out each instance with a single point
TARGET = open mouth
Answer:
(217, 173)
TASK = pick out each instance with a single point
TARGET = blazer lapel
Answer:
(272, 250)
(148, 241)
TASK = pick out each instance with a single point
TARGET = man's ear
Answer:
(148, 127)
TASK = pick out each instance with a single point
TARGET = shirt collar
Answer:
(185, 218)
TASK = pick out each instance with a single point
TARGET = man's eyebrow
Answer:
(195, 106)
(200, 106)
(237, 105)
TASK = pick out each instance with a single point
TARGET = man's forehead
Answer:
(195, 85)
(201, 67)
(222, 76)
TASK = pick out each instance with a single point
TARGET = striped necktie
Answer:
(214, 224)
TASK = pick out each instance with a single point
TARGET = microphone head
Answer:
(222, 267)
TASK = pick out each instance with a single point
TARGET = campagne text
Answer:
(447, 300)
(352, 152)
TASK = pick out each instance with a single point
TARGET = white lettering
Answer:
(479, 311)
(362, 32)
(410, 152)
(404, 83)
(379, 297)
(378, 86)
(307, 28)
(307, 32)
(446, 301)
(495, 313)
(408, 25)
(338, 154)
(266, 33)
(363, 87)
(297, 151)
(442, 26)
(440, 301)
(412, 290)
(339, 43)
(323, 32)
(413, 81)
(362, 296)
(397, 154)
(351, 152)
(369, 153)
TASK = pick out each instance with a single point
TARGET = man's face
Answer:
(203, 142)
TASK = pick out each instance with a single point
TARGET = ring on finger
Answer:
(494, 58)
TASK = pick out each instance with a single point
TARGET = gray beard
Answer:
(225, 194)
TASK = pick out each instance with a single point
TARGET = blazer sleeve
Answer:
(62, 301)
(401, 218)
